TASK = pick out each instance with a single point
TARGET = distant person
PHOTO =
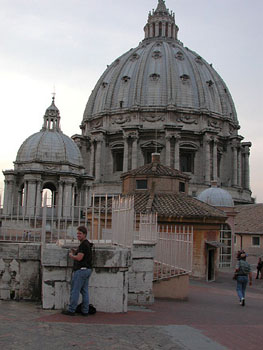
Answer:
(259, 268)
(243, 272)
(82, 257)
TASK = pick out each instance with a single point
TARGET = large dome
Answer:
(163, 97)
(50, 145)
(161, 72)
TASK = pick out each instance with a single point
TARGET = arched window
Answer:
(49, 189)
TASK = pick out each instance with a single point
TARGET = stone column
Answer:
(31, 197)
(151, 30)
(60, 199)
(5, 207)
(125, 155)
(68, 197)
(134, 152)
(163, 29)
(239, 168)
(169, 30)
(92, 158)
(8, 197)
(215, 160)
(98, 159)
(234, 164)
(38, 198)
(246, 172)
(168, 150)
(156, 29)
(207, 141)
(177, 152)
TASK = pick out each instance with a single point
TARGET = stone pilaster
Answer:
(134, 151)
(168, 150)
(215, 159)
(207, 141)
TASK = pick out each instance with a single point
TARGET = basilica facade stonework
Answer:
(163, 97)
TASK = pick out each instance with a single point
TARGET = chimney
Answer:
(155, 157)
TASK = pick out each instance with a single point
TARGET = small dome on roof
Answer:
(50, 145)
(216, 197)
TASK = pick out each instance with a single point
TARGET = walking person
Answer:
(244, 273)
(259, 268)
(82, 257)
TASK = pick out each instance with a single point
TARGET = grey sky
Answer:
(70, 42)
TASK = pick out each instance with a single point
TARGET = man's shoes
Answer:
(85, 315)
(243, 301)
(68, 313)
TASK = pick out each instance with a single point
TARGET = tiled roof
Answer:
(175, 205)
(249, 218)
(156, 169)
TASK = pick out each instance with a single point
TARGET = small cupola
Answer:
(52, 118)
(161, 23)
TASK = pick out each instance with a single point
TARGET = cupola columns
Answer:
(161, 23)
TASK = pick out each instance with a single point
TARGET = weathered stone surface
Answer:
(30, 251)
(55, 256)
(8, 250)
(29, 280)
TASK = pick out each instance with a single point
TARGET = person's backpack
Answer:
(244, 267)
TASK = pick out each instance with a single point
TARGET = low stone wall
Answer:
(20, 271)
(108, 285)
(120, 276)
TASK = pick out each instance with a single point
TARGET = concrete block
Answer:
(54, 274)
(29, 280)
(55, 256)
(9, 250)
(111, 257)
(30, 251)
(141, 265)
(176, 287)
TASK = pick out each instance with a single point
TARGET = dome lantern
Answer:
(161, 23)
(52, 118)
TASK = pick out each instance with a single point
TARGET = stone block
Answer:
(30, 251)
(55, 256)
(54, 274)
(29, 288)
(111, 257)
(143, 250)
(142, 265)
(48, 300)
(9, 250)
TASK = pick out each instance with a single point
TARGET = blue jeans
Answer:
(80, 284)
(241, 286)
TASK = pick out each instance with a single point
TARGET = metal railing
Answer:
(174, 251)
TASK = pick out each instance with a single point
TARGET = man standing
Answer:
(82, 257)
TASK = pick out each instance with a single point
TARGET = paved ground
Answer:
(211, 319)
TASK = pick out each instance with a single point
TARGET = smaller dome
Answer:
(50, 145)
(216, 197)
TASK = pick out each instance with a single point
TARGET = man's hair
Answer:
(82, 229)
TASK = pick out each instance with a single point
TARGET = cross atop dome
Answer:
(161, 23)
